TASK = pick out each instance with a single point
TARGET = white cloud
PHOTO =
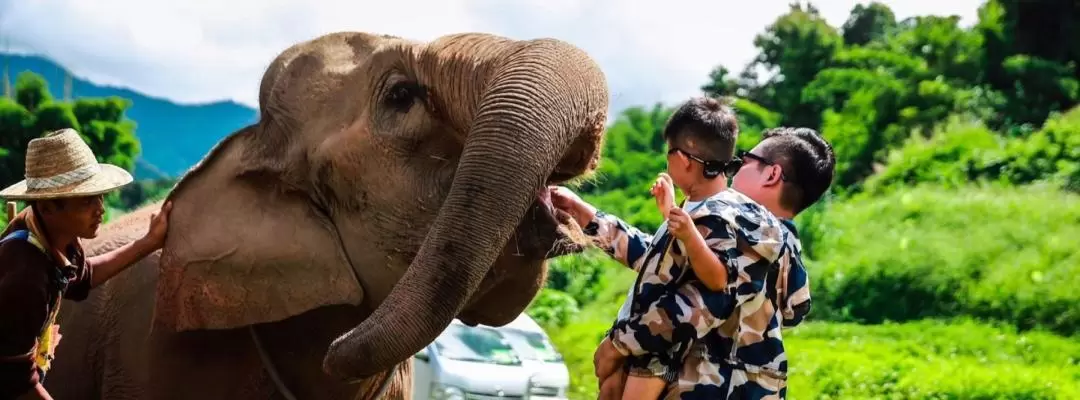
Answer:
(206, 50)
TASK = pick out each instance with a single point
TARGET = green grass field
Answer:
(927, 359)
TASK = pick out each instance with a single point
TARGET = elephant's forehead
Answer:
(342, 59)
(342, 53)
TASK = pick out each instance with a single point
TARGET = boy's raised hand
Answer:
(664, 192)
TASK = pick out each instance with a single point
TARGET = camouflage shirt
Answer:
(680, 330)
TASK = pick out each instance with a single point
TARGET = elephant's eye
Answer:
(402, 94)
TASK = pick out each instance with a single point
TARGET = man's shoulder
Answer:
(22, 259)
(19, 243)
(751, 221)
(739, 210)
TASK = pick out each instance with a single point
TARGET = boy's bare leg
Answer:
(612, 386)
(643, 388)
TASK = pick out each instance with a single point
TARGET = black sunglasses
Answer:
(763, 160)
(728, 168)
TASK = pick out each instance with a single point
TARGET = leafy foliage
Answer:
(965, 150)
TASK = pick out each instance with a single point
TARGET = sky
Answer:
(198, 51)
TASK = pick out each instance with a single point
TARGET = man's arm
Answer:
(105, 266)
(618, 239)
(796, 302)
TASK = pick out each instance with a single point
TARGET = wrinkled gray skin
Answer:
(389, 187)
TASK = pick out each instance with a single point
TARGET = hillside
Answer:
(173, 136)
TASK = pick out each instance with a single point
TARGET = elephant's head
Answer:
(405, 176)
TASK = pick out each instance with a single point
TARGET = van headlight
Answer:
(441, 391)
(545, 391)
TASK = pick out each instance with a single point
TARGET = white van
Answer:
(515, 361)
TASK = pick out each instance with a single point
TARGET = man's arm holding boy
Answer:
(795, 304)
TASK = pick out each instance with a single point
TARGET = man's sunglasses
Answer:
(728, 168)
(763, 160)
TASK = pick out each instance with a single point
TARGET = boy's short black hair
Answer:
(710, 123)
(807, 161)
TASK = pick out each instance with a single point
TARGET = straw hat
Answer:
(60, 164)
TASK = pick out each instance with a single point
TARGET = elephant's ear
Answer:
(244, 248)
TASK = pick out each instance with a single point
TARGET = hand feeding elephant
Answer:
(388, 187)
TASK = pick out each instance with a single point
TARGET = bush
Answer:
(1052, 153)
(964, 150)
(930, 360)
(949, 158)
(992, 252)
(583, 276)
(552, 308)
(577, 340)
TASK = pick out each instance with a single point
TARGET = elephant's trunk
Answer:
(523, 104)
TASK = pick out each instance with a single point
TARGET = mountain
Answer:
(173, 136)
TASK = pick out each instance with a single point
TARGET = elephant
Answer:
(388, 187)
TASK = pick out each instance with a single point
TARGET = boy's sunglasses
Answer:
(728, 168)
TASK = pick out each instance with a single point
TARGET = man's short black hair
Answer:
(807, 161)
(707, 122)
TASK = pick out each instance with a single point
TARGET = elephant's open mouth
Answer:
(547, 232)
(544, 233)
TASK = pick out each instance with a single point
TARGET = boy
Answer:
(42, 261)
(701, 137)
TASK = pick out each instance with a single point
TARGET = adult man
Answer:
(42, 260)
(729, 341)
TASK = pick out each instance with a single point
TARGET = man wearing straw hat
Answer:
(41, 260)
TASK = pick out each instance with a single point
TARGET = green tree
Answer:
(722, 84)
(1037, 74)
(31, 91)
(868, 23)
(34, 112)
(796, 47)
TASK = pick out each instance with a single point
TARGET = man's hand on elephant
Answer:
(606, 360)
(568, 201)
(159, 224)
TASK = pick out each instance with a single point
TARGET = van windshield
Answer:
(533, 345)
(475, 344)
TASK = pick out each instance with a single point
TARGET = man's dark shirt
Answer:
(26, 293)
